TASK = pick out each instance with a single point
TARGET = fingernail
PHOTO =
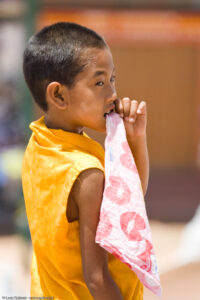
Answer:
(131, 120)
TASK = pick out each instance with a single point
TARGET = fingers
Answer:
(142, 108)
(129, 109)
(132, 113)
(119, 107)
(126, 103)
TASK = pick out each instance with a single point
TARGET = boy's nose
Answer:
(112, 97)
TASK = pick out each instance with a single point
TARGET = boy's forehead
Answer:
(98, 61)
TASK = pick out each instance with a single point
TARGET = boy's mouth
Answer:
(107, 113)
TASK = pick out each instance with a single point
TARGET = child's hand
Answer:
(134, 115)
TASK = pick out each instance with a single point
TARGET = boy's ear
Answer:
(56, 94)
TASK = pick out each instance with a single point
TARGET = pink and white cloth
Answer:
(123, 228)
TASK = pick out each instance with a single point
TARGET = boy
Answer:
(70, 73)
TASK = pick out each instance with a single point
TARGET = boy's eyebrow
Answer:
(99, 72)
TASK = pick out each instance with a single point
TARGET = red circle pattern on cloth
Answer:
(118, 190)
(137, 224)
(126, 158)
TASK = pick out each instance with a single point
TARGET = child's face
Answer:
(94, 92)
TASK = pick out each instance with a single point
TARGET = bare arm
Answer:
(140, 154)
(87, 193)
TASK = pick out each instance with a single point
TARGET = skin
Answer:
(84, 105)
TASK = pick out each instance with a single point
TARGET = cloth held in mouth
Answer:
(123, 228)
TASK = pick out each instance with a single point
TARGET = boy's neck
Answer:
(57, 124)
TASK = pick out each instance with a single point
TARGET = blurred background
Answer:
(156, 50)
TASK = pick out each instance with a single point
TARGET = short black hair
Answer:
(54, 54)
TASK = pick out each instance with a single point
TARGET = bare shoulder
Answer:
(82, 194)
(87, 194)
(88, 182)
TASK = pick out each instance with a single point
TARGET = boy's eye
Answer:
(100, 83)
(112, 79)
